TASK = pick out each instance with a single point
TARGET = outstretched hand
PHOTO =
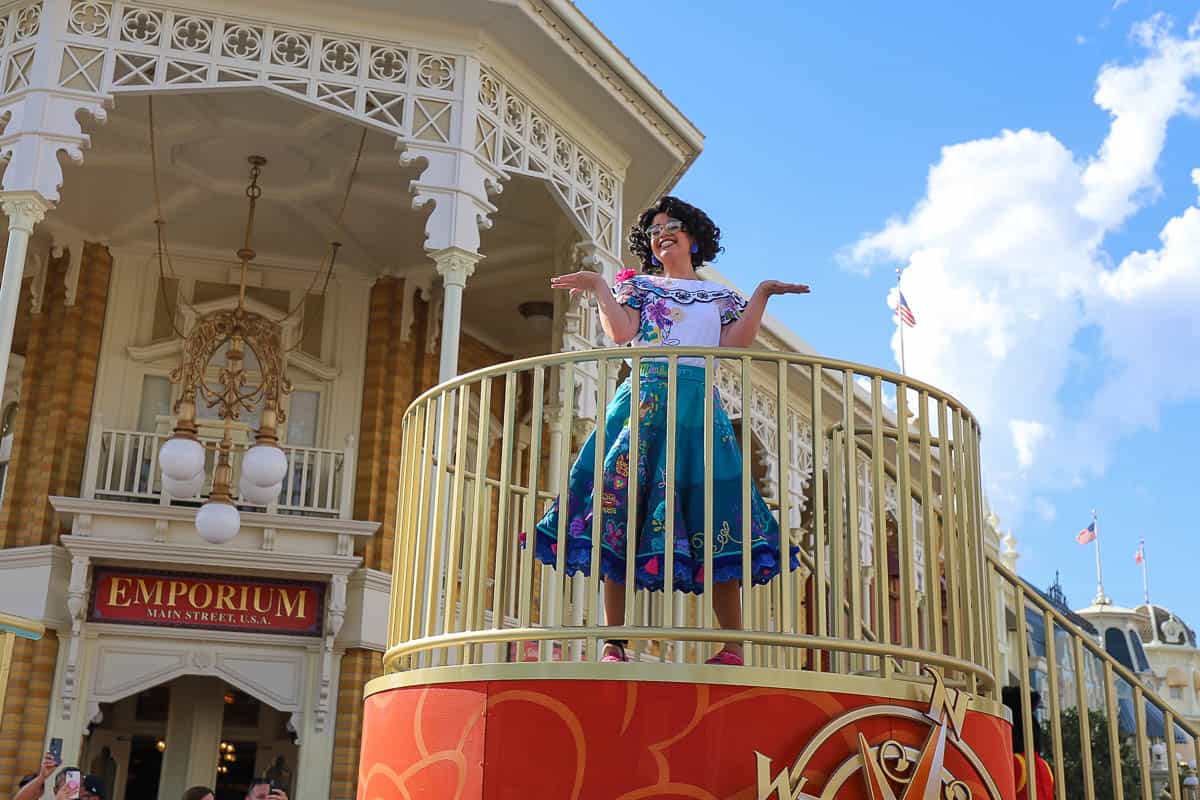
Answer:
(772, 288)
(579, 282)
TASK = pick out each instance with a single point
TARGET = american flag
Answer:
(1140, 555)
(1086, 535)
(904, 312)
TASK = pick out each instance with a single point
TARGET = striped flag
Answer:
(1140, 556)
(904, 312)
(1087, 535)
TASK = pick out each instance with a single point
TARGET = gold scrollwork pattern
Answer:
(212, 332)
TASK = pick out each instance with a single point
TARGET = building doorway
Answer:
(188, 731)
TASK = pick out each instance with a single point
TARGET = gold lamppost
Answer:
(264, 465)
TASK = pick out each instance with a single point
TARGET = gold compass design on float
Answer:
(888, 769)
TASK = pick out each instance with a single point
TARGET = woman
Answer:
(669, 305)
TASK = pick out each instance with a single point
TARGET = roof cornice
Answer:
(603, 57)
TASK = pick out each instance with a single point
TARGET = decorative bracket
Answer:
(335, 615)
(77, 593)
(458, 184)
(41, 124)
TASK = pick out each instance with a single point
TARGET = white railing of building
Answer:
(123, 465)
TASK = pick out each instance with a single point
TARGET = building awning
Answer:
(1154, 721)
(1196, 679)
(1177, 677)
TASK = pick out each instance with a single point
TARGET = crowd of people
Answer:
(91, 787)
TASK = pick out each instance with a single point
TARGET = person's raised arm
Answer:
(34, 788)
(620, 322)
(744, 330)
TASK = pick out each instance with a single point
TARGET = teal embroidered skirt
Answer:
(651, 500)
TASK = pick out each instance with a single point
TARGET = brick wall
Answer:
(26, 708)
(62, 355)
(57, 387)
(358, 667)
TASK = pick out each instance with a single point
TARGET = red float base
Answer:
(614, 739)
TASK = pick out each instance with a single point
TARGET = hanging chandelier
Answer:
(182, 456)
(264, 465)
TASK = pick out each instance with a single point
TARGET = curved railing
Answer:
(1106, 734)
(855, 462)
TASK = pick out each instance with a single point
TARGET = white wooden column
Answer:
(455, 265)
(24, 210)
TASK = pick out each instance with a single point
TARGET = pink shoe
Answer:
(726, 658)
(612, 658)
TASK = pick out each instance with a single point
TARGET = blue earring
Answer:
(695, 247)
(655, 261)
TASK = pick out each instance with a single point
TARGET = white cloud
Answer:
(1045, 509)
(1080, 39)
(1004, 266)
(1028, 437)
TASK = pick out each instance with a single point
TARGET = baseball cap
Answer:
(93, 784)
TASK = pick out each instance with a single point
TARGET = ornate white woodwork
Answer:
(519, 138)
(127, 664)
(77, 601)
(335, 615)
(471, 126)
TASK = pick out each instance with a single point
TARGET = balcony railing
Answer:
(885, 587)
(885, 507)
(123, 465)
(1101, 723)
(894, 573)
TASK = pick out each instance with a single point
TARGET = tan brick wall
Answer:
(358, 667)
(397, 370)
(26, 708)
(62, 354)
(57, 387)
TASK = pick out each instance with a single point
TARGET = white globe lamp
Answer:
(181, 458)
(183, 490)
(264, 465)
(217, 522)
(257, 495)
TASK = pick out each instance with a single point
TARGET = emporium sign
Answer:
(174, 600)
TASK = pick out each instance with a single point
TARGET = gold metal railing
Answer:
(1095, 751)
(892, 474)
(10, 628)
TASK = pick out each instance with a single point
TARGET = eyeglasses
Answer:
(670, 226)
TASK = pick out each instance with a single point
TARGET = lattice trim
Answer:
(407, 89)
(20, 65)
(82, 68)
(387, 84)
(530, 144)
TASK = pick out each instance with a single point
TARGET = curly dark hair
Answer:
(698, 225)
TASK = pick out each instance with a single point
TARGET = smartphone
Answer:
(56, 750)
(72, 784)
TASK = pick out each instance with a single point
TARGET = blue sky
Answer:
(832, 119)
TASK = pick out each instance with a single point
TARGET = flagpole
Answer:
(1101, 598)
(903, 367)
(1146, 593)
(1145, 574)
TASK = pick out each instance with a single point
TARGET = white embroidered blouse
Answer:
(679, 313)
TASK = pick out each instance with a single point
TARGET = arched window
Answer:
(1139, 655)
(1117, 646)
